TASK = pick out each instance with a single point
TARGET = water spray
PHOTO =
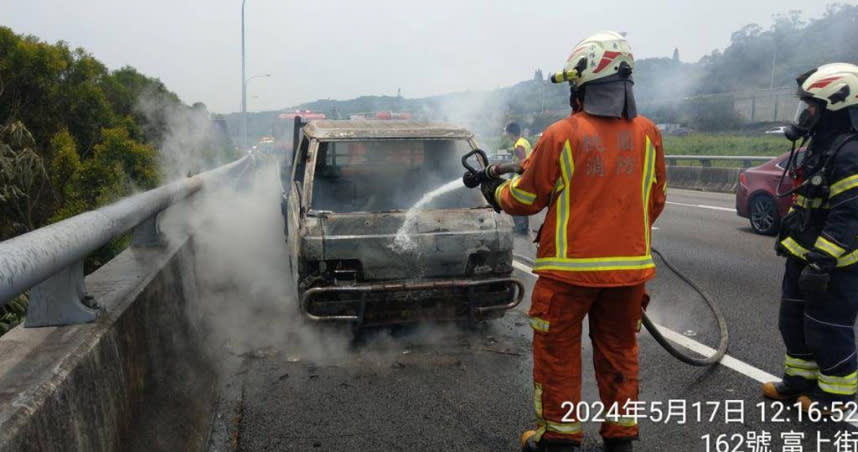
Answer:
(402, 241)
(480, 171)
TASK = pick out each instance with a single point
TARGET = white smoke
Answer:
(241, 264)
(246, 299)
(189, 143)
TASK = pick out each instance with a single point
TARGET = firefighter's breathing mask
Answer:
(806, 118)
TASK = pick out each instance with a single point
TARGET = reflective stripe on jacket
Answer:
(829, 218)
(603, 181)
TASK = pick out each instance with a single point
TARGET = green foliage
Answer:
(119, 166)
(794, 45)
(74, 135)
(13, 312)
(65, 173)
(702, 95)
(713, 144)
(22, 179)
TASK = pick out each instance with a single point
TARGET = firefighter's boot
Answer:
(778, 390)
(529, 444)
(618, 445)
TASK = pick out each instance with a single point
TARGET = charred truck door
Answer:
(296, 202)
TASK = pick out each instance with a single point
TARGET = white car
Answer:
(776, 131)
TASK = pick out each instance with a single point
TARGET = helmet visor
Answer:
(800, 111)
(807, 114)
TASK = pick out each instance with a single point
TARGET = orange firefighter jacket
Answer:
(603, 181)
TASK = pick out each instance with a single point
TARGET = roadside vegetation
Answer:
(13, 313)
(698, 143)
(724, 144)
(75, 136)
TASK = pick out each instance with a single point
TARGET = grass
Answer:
(702, 144)
(711, 144)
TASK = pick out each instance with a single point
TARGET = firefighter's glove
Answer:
(821, 261)
(814, 278)
(488, 188)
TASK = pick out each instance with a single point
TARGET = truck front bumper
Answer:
(390, 303)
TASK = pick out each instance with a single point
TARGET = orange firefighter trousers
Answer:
(557, 312)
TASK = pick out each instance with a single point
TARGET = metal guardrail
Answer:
(50, 259)
(706, 160)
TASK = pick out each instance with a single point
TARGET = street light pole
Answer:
(243, 86)
(247, 83)
(772, 83)
(774, 62)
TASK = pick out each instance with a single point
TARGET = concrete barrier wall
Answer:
(136, 379)
(722, 180)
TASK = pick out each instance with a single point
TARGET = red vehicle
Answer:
(756, 197)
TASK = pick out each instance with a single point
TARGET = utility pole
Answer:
(774, 60)
(772, 94)
(243, 87)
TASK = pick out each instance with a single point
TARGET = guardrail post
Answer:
(746, 163)
(147, 233)
(58, 300)
(706, 163)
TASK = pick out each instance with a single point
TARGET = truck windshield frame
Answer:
(384, 175)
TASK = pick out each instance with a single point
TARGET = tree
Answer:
(65, 173)
(23, 179)
(119, 166)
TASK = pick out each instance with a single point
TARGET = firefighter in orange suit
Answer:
(600, 172)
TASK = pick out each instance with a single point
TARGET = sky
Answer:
(319, 49)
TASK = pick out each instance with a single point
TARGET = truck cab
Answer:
(348, 196)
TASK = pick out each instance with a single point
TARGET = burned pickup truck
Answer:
(359, 252)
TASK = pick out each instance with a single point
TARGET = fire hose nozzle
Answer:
(474, 177)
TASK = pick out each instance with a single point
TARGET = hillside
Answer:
(750, 82)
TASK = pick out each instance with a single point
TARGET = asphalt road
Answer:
(439, 388)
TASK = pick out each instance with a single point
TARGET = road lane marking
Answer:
(524, 268)
(728, 361)
(703, 206)
(684, 341)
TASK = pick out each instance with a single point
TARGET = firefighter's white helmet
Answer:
(835, 85)
(598, 56)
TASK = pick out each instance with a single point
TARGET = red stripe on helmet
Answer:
(822, 83)
(607, 58)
